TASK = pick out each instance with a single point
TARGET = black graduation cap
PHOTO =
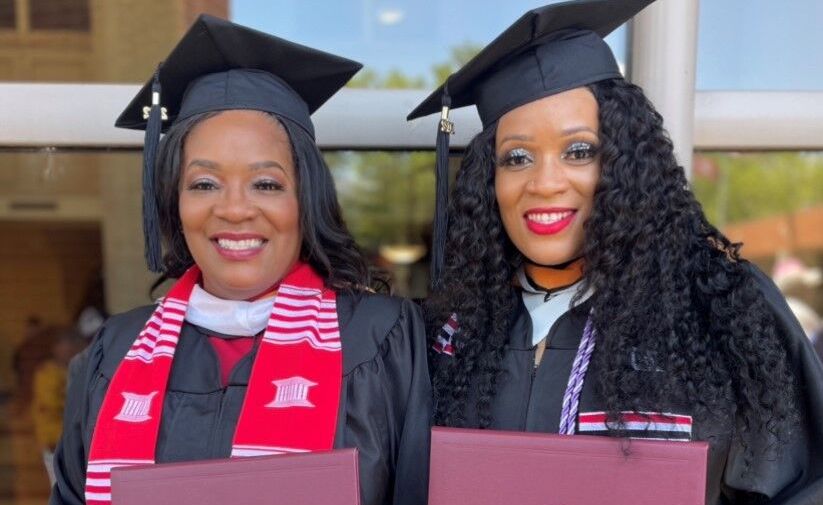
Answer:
(219, 65)
(548, 50)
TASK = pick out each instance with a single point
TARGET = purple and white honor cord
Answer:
(571, 398)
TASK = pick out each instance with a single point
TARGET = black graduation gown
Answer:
(385, 399)
(529, 399)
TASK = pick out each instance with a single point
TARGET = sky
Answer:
(742, 44)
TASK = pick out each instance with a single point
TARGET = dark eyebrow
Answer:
(257, 165)
(567, 132)
(522, 138)
(577, 129)
(203, 163)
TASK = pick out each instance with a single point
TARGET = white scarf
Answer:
(545, 313)
(228, 317)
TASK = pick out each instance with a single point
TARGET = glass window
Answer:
(70, 15)
(760, 45)
(772, 203)
(388, 203)
(50, 269)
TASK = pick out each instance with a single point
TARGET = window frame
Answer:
(82, 116)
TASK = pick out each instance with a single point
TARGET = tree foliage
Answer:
(388, 196)
(736, 187)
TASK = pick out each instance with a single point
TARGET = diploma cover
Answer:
(485, 467)
(329, 478)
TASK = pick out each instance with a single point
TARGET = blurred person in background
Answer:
(33, 349)
(48, 395)
(795, 280)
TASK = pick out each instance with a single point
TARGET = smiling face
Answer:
(546, 173)
(238, 203)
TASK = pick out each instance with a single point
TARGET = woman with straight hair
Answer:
(270, 340)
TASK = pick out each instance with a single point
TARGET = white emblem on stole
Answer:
(135, 407)
(291, 392)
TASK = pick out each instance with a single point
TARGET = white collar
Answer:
(545, 312)
(228, 317)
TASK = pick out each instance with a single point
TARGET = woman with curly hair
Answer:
(270, 340)
(583, 289)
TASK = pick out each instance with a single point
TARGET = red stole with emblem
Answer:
(294, 384)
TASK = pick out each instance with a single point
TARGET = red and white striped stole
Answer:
(641, 425)
(443, 342)
(294, 384)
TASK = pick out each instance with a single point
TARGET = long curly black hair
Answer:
(326, 243)
(666, 284)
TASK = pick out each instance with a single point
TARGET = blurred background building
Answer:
(739, 82)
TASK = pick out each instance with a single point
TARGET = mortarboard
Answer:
(548, 50)
(219, 65)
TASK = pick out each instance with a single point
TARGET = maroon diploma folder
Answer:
(484, 467)
(329, 478)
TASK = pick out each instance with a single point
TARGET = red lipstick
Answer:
(549, 221)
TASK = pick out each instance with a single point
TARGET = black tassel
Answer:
(441, 217)
(151, 220)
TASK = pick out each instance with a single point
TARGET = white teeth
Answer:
(548, 217)
(240, 245)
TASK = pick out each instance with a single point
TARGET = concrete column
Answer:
(664, 49)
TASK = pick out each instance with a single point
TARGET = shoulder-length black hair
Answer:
(667, 284)
(326, 243)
